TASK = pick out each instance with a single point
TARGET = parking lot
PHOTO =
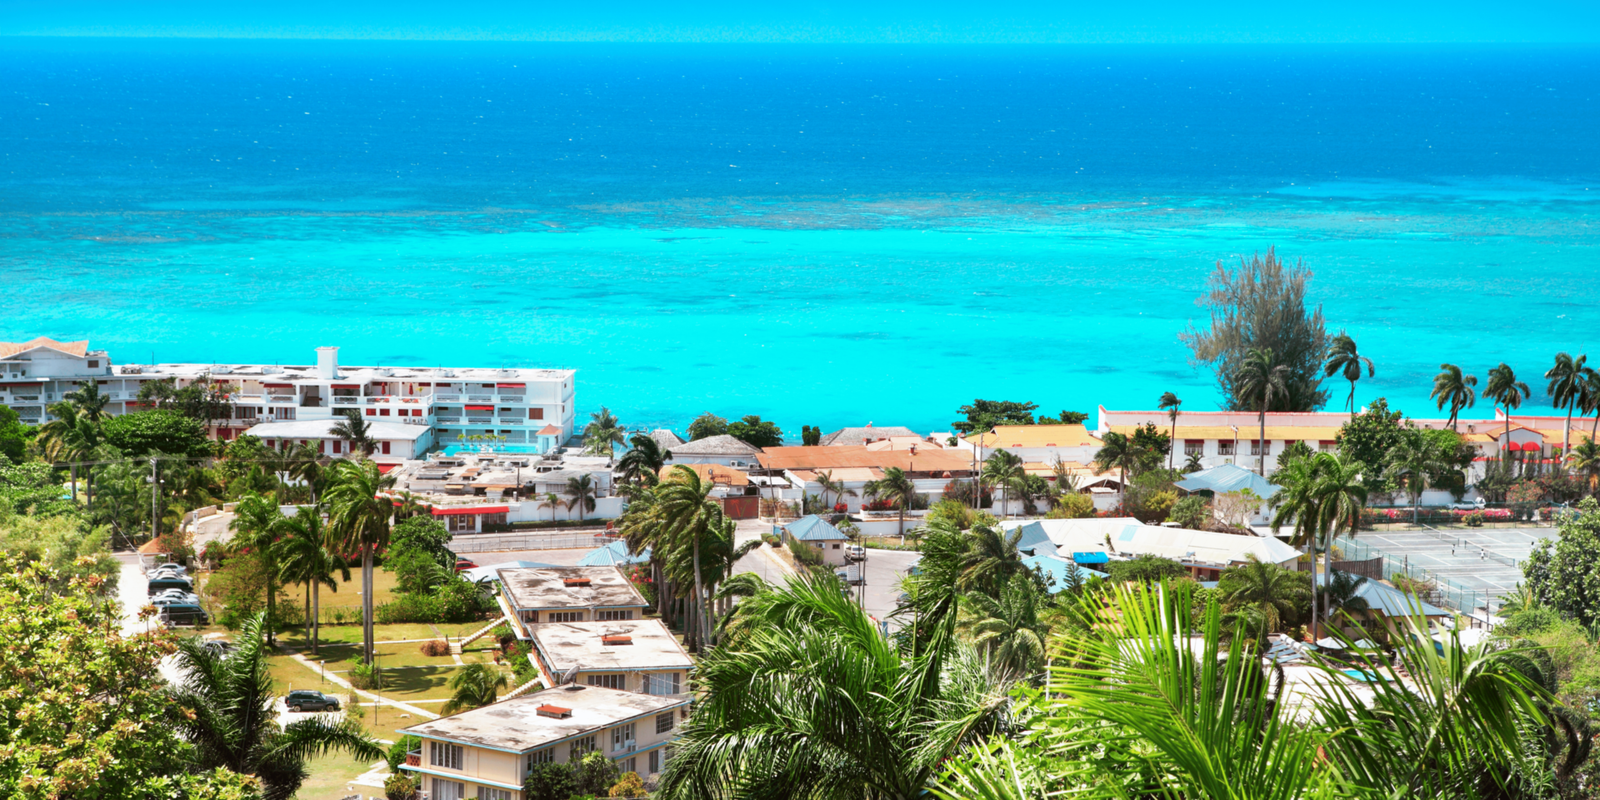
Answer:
(1482, 561)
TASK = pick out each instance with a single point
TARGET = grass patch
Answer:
(351, 634)
(330, 774)
(349, 592)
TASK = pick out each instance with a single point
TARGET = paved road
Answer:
(885, 568)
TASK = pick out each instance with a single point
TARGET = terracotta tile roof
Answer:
(549, 430)
(1246, 432)
(1039, 436)
(719, 445)
(823, 458)
(848, 474)
(905, 443)
(79, 349)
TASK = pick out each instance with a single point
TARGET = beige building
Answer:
(634, 655)
(538, 595)
(486, 753)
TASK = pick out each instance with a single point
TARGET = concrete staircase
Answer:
(457, 645)
(536, 683)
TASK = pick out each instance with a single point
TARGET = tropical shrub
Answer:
(1191, 512)
(366, 676)
(1565, 574)
(629, 785)
(1146, 569)
(1474, 519)
(1072, 506)
(398, 750)
(158, 431)
(594, 774)
(400, 786)
(805, 554)
(434, 648)
(639, 575)
(549, 781)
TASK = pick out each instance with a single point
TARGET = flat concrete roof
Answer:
(565, 645)
(516, 726)
(538, 589)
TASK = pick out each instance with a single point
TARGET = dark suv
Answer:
(311, 701)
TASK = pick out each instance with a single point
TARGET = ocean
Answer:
(819, 235)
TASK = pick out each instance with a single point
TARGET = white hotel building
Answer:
(411, 409)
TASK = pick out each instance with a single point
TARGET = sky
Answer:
(827, 21)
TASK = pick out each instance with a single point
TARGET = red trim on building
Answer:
(480, 408)
(512, 385)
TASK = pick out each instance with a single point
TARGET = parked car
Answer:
(306, 700)
(157, 585)
(174, 596)
(1469, 505)
(169, 567)
(183, 614)
(464, 564)
(855, 552)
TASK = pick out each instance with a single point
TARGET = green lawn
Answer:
(351, 634)
(330, 774)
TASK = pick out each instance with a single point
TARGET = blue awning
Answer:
(1090, 558)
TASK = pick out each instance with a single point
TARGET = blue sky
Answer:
(900, 21)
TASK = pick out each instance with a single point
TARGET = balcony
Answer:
(480, 420)
(280, 398)
(512, 398)
(480, 398)
(347, 401)
(447, 398)
(414, 420)
(444, 420)
(414, 758)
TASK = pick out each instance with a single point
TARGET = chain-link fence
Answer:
(1429, 585)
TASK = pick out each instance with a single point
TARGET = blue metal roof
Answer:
(813, 528)
(612, 554)
(1035, 541)
(1057, 569)
(1092, 557)
(1226, 478)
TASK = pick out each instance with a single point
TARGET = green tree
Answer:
(303, 557)
(204, 400)
(258, 525)
(1564, 573)
(643, 462)
(990, 560)
(70, 438)
(1262, 307)
(1414, 462)
(983, 415)
(836, 488)
(1118, 452)
(1063, 418)
(1345, 360)
(688, 518)
(1007, 629)
(418, 548)
(14, 436)
(66, 548)
(548, 781)
(1584, 460)
(157, 431)
(593, 774)
(751, 430)
(1145, 568)
(898, 487)
(1172, 405)
(359, 517)
(89, 400)
(603, 434)
(1004, 471)
(1452, 388)
(228, 700)
(1368, 437)
(1293, 451)
(810, 435)
(581, 493)
(707, 425)
(1190, 512)
(1261, 376)
(816, 702)
(552, 501)
(1277, 594)
(474, 686)
(1505, 390)
(355, 431)
(1567, 379)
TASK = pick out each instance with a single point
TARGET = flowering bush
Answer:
(1475, 519)
(840, 508)
(880, 504)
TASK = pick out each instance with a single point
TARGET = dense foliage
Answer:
(1564, 574)
(157, 431)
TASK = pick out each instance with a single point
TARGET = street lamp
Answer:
(1235, 459)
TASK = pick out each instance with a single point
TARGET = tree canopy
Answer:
(752, 430)
(983, 415)
(1565, 574)
(157, 431)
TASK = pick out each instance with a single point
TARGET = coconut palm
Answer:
(1118, 452)
(227, 699)
(1260, 375)
(990, 561)
(1007, 629)
(1505, 390)
(1585, 460)
(897, 486)
(1345, 360)
(306, 465)
(303, 557)
(1270, 589)
(1591, 400)
(603, 433)
(833, 487)
(581, 493)
(1452, 387)
(356, 432)
(1322, 495)
(1193, 463)
(816, 702)
(552, 501)
(1567, 380)
(257, 525)
(1170, 403)
(1004, 471)
(644, 460)
(359, 518)
(70, 438)
(474, 686)
(1340, 593)
(1413, 461)
(687, 518)
(89, 400)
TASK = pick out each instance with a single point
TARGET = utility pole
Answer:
(155, 497)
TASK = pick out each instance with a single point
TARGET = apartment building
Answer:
(631, 655)
(486, 753)
(569, 594)
(524, 410)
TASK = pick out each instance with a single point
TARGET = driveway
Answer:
(885, 568)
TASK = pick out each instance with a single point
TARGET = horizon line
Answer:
(778, 40)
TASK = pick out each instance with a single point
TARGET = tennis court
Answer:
(1472, 566)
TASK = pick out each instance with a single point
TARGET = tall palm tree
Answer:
(990, 561)
(308, 466)
(1004, 471)
(1007, 629)
(688, 517)
(1452, 387)
(1567, 379)
(816, 702)
(303, 557)
(228, 715)
(69, 438)
(644, 460)
(1262, 376)
(355, 431)
(603, 433)
(475, 686)
(257, 525)
(89, 400)
(897, 486)
(1264, 586)
(1118, 452)
(359, 519)
(552, 501)
(581, 493)
(1171, 404)
(1585, 460)
(1505, 390)
(833, 487)
(1414, 460)
(1591, 400)
(1322, 495)
(1344, 359)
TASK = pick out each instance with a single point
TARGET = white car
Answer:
(855, 552)
(1472, 505)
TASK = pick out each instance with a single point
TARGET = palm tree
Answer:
(1343, 358)
(1341, 594)
(1262, 376)
(1264, 586)
(227, 700)
(1413, 461)
(303, 557)
(1193, 464)
(1007, 629)
(89, 400)
(355, 431)
(895, 485)
(359, 517)
(474, 686)
(990, 561)
(1452, 387)
(1567, 379)
(816, 702)
(581, 493)
(1323, 495)
(1585, 460)
(257, 525)
(305, 464)
(1117, 451)
(603, 433)
(645, 458)
(69, 438)
(1004, 470)
(1505, 390)
(1170, 403)
(552, 501)
(688, 517)
(833, 487)
(1591, 400)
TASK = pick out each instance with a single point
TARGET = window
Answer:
(1326, 446)
(579, 747)
(444, 754)
(565, 616)
(655, 761)
(610, 681)
(622, 738)
(1225, 447)
(664, 722)
(604, 616)
(383, 412)
(488, 793)
(94, 364)
(1255, 447)
(336, 445)
(630, 765)
(535, 413)
(448, 790)
(545, 756)
(385, 448)
(661, 684)
(1194, 447)
(460, 523)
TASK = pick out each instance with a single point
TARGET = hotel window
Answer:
(487, 793)
(545, 756)
(609, 616)
(383, 412)
(336, 445)
(655, 761)
(1326, 446)
(1255, 447)
(664, 722)
(630, 765)
(565, 616)
(661, 684)
(94, 365)
(579, 747)
(535, 413)
(1194, 447)
(444, 754)
(616, 681)
(1225, 447)
(448, 790)
(620, 736)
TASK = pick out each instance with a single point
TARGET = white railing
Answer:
(447, 398)
(32, 397)
(512, 398)
(347, 401)
(480, 398)
(448, 420)
(414, 421)
(280, 398)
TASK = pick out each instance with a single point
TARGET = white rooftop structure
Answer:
(1127, 538)
(535, 720)
(624, 645)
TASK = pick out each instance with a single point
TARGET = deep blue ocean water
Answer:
(821, 235)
